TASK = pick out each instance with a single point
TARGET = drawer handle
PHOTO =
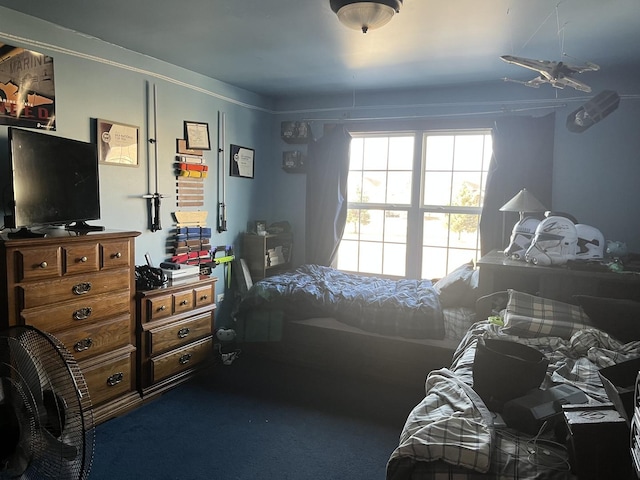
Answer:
(117, 255)
(183, 332)
(43, 265)
(82, 288)
(83, 259)
(82, 345)
(115, 379)
(82, 313)
(162, 308)
(184, 302)
(184, 359)
(204, 297)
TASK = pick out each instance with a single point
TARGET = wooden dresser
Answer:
(175, 328)
(81, 289)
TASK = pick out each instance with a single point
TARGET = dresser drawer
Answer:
(204, 295)
(181, 359)
(183, 301)
(38, 263)
(82, 258)
(115, 254)
(91, 340)
(159, 307)
(180, 333)
(109, 378)
(70, 288)
(78, 312)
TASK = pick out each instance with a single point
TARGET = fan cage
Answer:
(60, 439)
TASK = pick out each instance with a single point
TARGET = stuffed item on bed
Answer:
(574, 356)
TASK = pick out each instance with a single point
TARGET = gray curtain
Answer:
(522, 158)
(326, 202)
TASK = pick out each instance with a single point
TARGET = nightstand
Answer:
(175, 329)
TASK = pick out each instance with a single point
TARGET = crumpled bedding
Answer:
(406, 308)
(426, 451)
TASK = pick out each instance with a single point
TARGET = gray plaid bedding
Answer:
(451, 435)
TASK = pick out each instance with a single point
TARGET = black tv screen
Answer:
(55, 180)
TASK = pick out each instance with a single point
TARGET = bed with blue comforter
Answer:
(405, 308)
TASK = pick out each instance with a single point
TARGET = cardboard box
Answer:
(619, 382)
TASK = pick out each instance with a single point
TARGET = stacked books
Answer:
(275, 256)
(183, 271)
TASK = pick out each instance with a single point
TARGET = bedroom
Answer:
(595, 173)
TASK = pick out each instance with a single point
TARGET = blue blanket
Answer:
(407, 308)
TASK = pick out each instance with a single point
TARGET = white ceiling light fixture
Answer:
(365, 16)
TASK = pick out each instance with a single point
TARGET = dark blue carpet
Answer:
(256, 420)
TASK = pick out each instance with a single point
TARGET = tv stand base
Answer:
(83, 227)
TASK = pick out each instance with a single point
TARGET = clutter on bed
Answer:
(554, 356)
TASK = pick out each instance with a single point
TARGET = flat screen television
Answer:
(55, 182)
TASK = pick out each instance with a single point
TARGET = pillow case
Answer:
(531, 316)
(618, 317)
(459, 288)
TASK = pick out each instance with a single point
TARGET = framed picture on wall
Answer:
(118, 143)
(197, 135)
(241, 161)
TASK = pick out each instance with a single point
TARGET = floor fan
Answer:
(46, 420)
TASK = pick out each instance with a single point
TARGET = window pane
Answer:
(374, 187)
(370, 257)
(395, 228)
(437, 188)
(399, 189)
(348, 255)
(469, 152)
(464, 230)
(434, 262)
(356, 153)
(394, 259)
(371, 225)
(375, 153)
(466, 189)
(354, 186)
(435, 229)
(439, 152)
(352, 227)
(401, 153)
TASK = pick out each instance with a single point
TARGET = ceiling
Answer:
(289, 47)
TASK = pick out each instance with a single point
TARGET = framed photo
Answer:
(197, 135)
(118, 143)
(241, 161)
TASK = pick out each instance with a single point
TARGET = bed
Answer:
(451, 433)
(415, 309)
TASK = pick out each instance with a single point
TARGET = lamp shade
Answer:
(365, 16)
(524, 201)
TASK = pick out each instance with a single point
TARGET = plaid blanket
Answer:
(428, 452)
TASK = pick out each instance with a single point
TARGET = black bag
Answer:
(504, 370)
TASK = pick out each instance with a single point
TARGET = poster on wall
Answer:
(27, 93)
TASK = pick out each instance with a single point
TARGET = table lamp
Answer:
(523, 202)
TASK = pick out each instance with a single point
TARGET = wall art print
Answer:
(27, 88)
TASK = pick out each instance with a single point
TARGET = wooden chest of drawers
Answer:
(81, 289)
(175, 328)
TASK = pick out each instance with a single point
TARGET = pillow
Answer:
(531, 316)
(619, 318)
(459, 288)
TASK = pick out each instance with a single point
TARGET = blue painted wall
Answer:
(96, 80)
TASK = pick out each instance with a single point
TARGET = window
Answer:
(414, 202)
